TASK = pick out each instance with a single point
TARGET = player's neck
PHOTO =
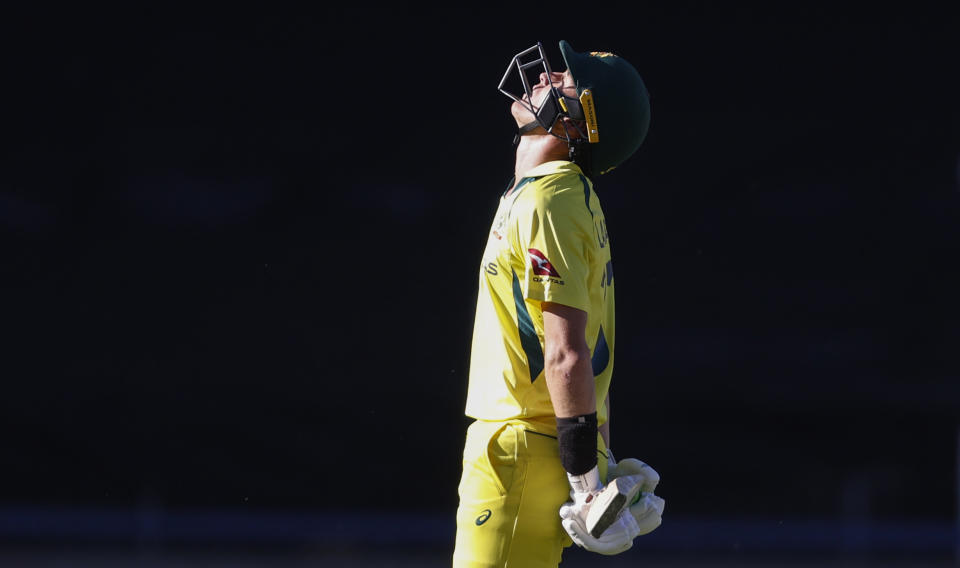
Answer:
(534, 150)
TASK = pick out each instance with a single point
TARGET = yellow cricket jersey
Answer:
(548, 243)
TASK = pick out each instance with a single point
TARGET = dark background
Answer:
(239, 255)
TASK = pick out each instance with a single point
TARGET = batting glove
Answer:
(617, 538)
(647, 509)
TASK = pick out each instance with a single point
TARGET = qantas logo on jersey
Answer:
(542, 266)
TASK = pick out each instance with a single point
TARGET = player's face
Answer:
(563, 81)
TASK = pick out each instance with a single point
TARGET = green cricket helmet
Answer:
(620, 100)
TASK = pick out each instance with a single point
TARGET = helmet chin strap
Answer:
(545, 117)
(529, 127)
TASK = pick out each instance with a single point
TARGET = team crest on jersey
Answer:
(541, 266)
(499, 226)
(602, 54)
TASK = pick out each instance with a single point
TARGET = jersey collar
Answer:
(554, 167)
(544, 169)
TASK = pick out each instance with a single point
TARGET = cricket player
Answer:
(538, 473)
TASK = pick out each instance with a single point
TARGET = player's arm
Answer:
(567, 365)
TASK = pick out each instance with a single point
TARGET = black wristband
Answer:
(578, 443)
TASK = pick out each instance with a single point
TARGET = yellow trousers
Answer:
(511, 490)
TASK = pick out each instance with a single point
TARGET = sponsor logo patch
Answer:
(541, 266)
(483, 517)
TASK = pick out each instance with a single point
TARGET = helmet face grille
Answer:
(522, 73)
(525, 68)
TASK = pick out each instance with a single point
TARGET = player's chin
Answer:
(521, 114)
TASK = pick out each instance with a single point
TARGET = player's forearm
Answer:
(569, 377)
(570, 381)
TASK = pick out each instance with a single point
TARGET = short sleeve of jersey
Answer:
(554, 242)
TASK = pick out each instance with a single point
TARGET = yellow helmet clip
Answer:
(590, 114)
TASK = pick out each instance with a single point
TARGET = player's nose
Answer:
(547, 79)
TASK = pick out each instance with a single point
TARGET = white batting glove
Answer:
(648, 509)
(617, 538)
